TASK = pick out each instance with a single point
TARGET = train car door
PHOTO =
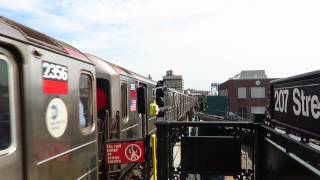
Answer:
(130, 126)
(142, 107)
(135, 123)
(103, 97)
(104, 112)
(10, 139)
(124, 109)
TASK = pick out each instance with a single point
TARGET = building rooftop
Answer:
(174, 77)
(251, 74)
(170, 75)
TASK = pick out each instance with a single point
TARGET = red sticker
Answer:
(133, 94)
(55, 87)
(125, 152)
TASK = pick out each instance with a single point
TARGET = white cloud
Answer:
(204, 40)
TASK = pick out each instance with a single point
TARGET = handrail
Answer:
(216, 123)
(259, 132)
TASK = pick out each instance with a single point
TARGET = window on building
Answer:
(124, 101)
(5, 126)
(223, 92)
(258, 109)
(258, 92)
(242, 93)
(85, 102)
(242, 112)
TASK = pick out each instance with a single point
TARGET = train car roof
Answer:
(122, 71)
(19, 32)
(173, 90)
(309, 75)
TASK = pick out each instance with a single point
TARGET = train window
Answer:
(124, 101)
(85, 101)
(103, 95)
(5, 126)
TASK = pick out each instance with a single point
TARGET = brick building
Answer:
(247, 92)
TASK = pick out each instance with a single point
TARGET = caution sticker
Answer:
(56, 117)
(125, 152)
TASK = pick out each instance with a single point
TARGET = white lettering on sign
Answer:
(281, 98)
(302, 104)
(54, 71)
(56, 117)
(305, 105)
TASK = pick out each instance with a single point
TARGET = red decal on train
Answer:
(125, 152)
(133, 104)
(55, 87)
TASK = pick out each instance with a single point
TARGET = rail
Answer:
(258, 139)
(171, 132)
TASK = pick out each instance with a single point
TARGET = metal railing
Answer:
(256, 138)
(169, 133)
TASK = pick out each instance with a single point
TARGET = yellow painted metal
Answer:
(154, 109)
(154, 156)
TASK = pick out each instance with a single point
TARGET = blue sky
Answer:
(204, 40)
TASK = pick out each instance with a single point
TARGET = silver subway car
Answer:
(47, 107)
(174, 105)
(126, 97)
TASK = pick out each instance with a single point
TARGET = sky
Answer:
(204, 40)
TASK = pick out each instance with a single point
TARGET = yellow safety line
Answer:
(154, 156)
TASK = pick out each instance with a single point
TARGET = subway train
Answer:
(173, 104)
(59, 107)
(123, 95)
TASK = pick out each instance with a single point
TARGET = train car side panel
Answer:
(71, 153)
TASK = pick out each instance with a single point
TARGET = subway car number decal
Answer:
(55, 78)
(54, 71)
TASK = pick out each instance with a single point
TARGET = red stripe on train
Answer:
(55, 87)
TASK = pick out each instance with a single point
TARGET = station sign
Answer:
(296, 103)
(125, 152)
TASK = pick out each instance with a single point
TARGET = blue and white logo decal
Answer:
(56, 117)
